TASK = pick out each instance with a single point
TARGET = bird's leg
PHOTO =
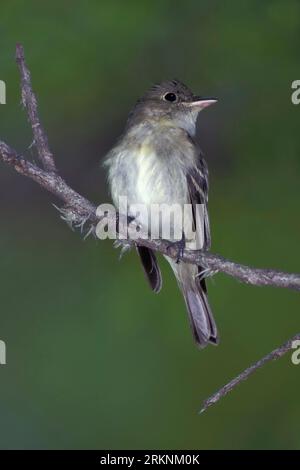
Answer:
(124, 244)
(180, 246)
(130, 219)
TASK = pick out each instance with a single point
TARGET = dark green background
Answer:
(94, 359)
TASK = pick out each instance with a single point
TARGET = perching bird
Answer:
(157, 161)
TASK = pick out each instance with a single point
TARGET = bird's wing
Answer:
(193, 286)
(197, 180)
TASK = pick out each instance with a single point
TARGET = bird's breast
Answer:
(150, 169)
(149, 166)
(160, 179)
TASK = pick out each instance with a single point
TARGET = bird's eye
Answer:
(170, 97)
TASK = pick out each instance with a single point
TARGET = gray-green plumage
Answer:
(157, 161)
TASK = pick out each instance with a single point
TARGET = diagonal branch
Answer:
(78, 211)
(272, 356)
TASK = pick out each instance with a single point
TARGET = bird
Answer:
(157, 160)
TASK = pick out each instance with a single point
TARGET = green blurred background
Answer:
(94, 359)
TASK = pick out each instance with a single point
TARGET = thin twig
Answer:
(30, 103)
(80, 212)
(272, 356)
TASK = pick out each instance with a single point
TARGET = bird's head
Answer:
(171, 102)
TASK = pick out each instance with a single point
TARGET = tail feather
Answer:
(194, 292)
(151, 268)
(200, 315)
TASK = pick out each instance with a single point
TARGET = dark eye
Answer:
(170, 97)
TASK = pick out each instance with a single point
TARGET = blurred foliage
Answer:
(95, 359)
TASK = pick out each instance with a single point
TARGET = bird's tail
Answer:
(195, 295)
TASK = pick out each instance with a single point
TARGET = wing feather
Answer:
(197, 179)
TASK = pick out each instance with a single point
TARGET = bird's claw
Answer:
(129, 220)
(180, 247)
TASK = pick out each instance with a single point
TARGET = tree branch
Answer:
(30, 103)
(52, 182)
(78, 211)
(272, 356)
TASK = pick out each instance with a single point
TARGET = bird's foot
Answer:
(122, 243)
(180, 246)
(129, 220)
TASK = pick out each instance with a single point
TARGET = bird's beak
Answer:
(201, 103)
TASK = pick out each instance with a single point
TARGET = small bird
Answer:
(157, 161)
